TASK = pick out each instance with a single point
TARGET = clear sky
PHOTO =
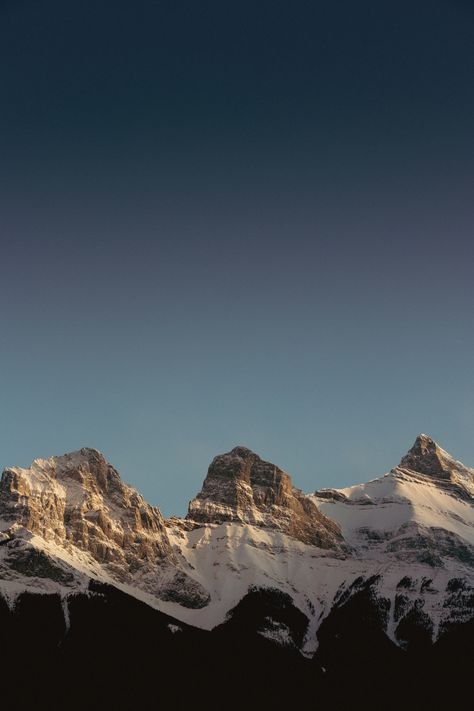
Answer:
(231, 223)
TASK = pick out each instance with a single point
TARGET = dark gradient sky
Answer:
(234, 223)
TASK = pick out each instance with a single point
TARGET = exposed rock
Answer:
(429, 459)
(416, 543)
(28, 561)
(79, 499)
(240, 486)
(78, 502)
(180, 588)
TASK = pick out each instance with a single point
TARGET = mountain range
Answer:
(261, 597)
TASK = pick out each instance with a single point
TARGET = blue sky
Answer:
(236, 225)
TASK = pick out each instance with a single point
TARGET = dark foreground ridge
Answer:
(120, 654)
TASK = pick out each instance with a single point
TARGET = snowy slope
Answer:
(385, 504)
(439, 495)
(413, 527)
(407, 542)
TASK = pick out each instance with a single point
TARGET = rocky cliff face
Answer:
(240, 486)
(78, 504)
(428, 459)
(79, 500)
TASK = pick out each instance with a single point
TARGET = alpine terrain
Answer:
(261, 597)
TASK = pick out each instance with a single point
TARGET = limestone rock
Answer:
(77, 503)
(240, 486)
(79, 499)
(427, 458)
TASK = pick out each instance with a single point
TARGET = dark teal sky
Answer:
(234, 223)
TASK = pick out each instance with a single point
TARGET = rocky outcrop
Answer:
(429, 459)
(77, 503)
(240, 486)
(412, 542)
(79, 499)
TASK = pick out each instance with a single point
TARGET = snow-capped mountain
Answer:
(410, 533)
(375, 569)
(240, 487)
(73, 517)
(421, 511)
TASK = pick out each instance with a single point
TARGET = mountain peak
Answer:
(240, 486)
(78, 504)
(241, 451)
(427, 457)
(79, 499)
(424, 440)
(86, 467)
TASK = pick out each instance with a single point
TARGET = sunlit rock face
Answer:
(78, 504)
(79, 499)
(240, 486)
(429, 459)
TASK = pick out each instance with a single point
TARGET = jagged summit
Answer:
(77, 505)
(240, 486)
(420, 511)
(79, 499)
(243, 452)
(426, 457)
(84, 453)
(87, 466)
